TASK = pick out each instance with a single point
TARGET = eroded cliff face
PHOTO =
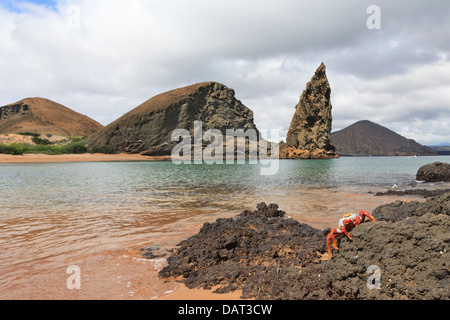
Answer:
(309, 132)
(148, 128)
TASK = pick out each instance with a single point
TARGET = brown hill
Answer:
(270, 256)
(366, 138)
(45, 117)
(148, 128)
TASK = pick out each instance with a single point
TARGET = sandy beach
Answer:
(87, 157)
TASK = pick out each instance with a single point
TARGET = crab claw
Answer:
(366, 214)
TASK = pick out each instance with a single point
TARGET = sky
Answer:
(103, 58)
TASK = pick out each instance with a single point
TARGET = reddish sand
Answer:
(42, 158)
(184, 293)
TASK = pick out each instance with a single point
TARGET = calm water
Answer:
(54, 215)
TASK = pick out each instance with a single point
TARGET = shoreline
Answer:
(183, 292)
(114, 269)
(115, 272)
(86, 157)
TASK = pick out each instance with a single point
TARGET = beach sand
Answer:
(87, 157)
(184, 293)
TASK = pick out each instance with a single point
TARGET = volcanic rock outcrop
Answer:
(309, 132)
(268, 255)
(45, 117)
(148, 128)
(258, 251)
(365, 138)
(434, 172)
(409, 246)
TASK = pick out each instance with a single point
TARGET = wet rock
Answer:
(437, 171)
(420, 192)
(152, 253)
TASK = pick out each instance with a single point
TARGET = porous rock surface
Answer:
(409, 245)
(434, 172)
(260, 252)
(270, 256)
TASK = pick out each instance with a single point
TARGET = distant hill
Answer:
(442, 149)
(366, 138)
(45, 117)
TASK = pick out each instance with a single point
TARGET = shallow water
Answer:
(98, 215)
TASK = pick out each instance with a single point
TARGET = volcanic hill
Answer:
(365, 138)
(44, 116)
(148, 128)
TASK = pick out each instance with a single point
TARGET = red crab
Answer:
(346, 224)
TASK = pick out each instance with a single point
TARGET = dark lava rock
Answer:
(400, 210)
(419, 192)
(261, 252)
(410, 249)
(269, 256)
(152, 253)
(434, 172)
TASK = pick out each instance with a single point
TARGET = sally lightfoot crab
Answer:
(346, 224)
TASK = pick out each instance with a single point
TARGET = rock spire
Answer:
(309, 132)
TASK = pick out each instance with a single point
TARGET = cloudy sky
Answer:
(102, 58)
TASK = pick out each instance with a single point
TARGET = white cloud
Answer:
(104, 57)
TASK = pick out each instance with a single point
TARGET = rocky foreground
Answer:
(268, 255)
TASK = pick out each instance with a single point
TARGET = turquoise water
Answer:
(34, 187)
